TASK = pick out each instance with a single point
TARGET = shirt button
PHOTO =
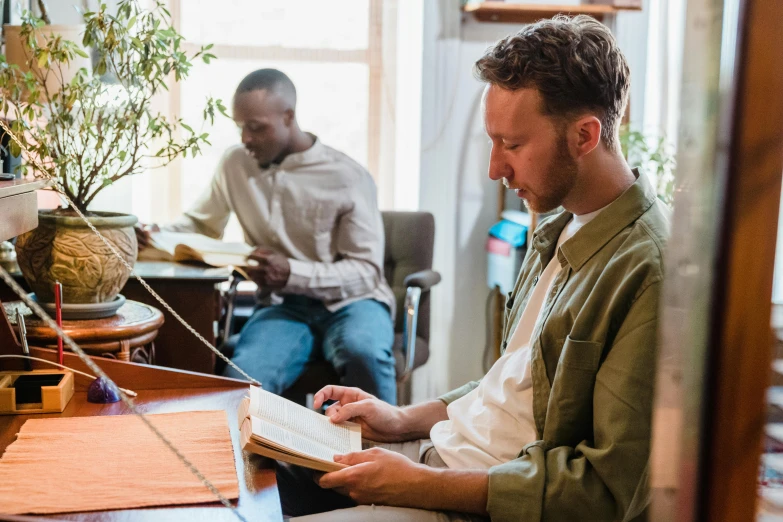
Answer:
(535, 280)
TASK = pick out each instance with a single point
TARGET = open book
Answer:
(282, 430)
(179, 246)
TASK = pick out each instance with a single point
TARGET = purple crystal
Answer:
(101, 392)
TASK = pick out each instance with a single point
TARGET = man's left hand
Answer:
(378, 476)
(272, 270)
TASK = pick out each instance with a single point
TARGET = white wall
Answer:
(454, 185)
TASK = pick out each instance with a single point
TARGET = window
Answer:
(342, 57)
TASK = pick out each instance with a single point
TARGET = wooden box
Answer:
(41, 390)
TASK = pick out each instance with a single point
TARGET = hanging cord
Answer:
(127, 265)
(130, 393)
(5, 276)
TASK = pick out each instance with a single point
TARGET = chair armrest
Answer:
(411, 310)
(415, 284)
(229, 296)
(424, 279)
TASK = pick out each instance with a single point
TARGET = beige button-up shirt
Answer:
(318, 208)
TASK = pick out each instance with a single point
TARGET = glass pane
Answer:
(771, 473)
(289, 23)
(332, 103)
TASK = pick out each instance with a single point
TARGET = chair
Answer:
(410, 237)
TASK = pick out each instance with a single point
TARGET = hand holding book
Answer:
(379, 421)
(280, 429)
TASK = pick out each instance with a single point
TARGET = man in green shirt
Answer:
(559, 428)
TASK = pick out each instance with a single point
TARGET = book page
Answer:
(168, 241)
(224, 259)
(165, 241)
(291, 441)
(340, 438)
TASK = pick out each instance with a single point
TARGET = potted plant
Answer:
(653, 155)
(18, 52)
(87, 134)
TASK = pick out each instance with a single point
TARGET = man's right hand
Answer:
(379, 420)
(143, 234)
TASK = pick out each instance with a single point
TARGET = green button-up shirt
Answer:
(593, 367)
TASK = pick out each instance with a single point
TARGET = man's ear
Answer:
(289, 116)
(585, 135)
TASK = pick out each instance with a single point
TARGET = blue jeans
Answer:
(278, 341)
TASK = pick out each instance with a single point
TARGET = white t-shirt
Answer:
(491, 424)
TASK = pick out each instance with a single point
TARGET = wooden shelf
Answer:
(529, 13)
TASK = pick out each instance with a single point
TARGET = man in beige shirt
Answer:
(311, 211)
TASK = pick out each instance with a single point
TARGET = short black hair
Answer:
(266, 79)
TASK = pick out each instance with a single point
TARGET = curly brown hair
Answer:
(574, 63)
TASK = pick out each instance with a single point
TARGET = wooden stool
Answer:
(127, 336)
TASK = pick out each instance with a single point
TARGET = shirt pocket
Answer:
(318, 226)
(570, 410)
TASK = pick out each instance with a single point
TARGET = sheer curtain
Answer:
(664, 68)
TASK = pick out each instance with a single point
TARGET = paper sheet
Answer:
(73, 464)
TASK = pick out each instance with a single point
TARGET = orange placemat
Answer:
(62, 465)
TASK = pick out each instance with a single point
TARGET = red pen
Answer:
(58, 309)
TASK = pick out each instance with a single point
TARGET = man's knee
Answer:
(364, 347)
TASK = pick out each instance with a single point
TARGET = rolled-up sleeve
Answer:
(597, 479)
(463, 390)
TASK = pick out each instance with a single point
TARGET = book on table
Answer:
(188, 247)
(283, 430)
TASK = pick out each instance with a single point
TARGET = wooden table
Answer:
(192, 292)
(129, 335)
(162, 390)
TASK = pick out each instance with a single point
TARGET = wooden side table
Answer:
(128, 336)
(192, 291)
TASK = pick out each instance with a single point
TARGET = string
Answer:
(18, 290)
(130, 393)
(127, 265)
(85, 358)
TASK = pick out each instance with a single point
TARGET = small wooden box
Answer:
(53, 396)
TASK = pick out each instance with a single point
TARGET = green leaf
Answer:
(43, 59)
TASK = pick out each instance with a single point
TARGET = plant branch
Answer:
(89, 136)
(44, 12)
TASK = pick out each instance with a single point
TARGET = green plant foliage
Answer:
(90, 133)
(654, 156)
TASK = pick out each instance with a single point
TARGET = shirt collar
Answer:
(315, 154)
(594, 235)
